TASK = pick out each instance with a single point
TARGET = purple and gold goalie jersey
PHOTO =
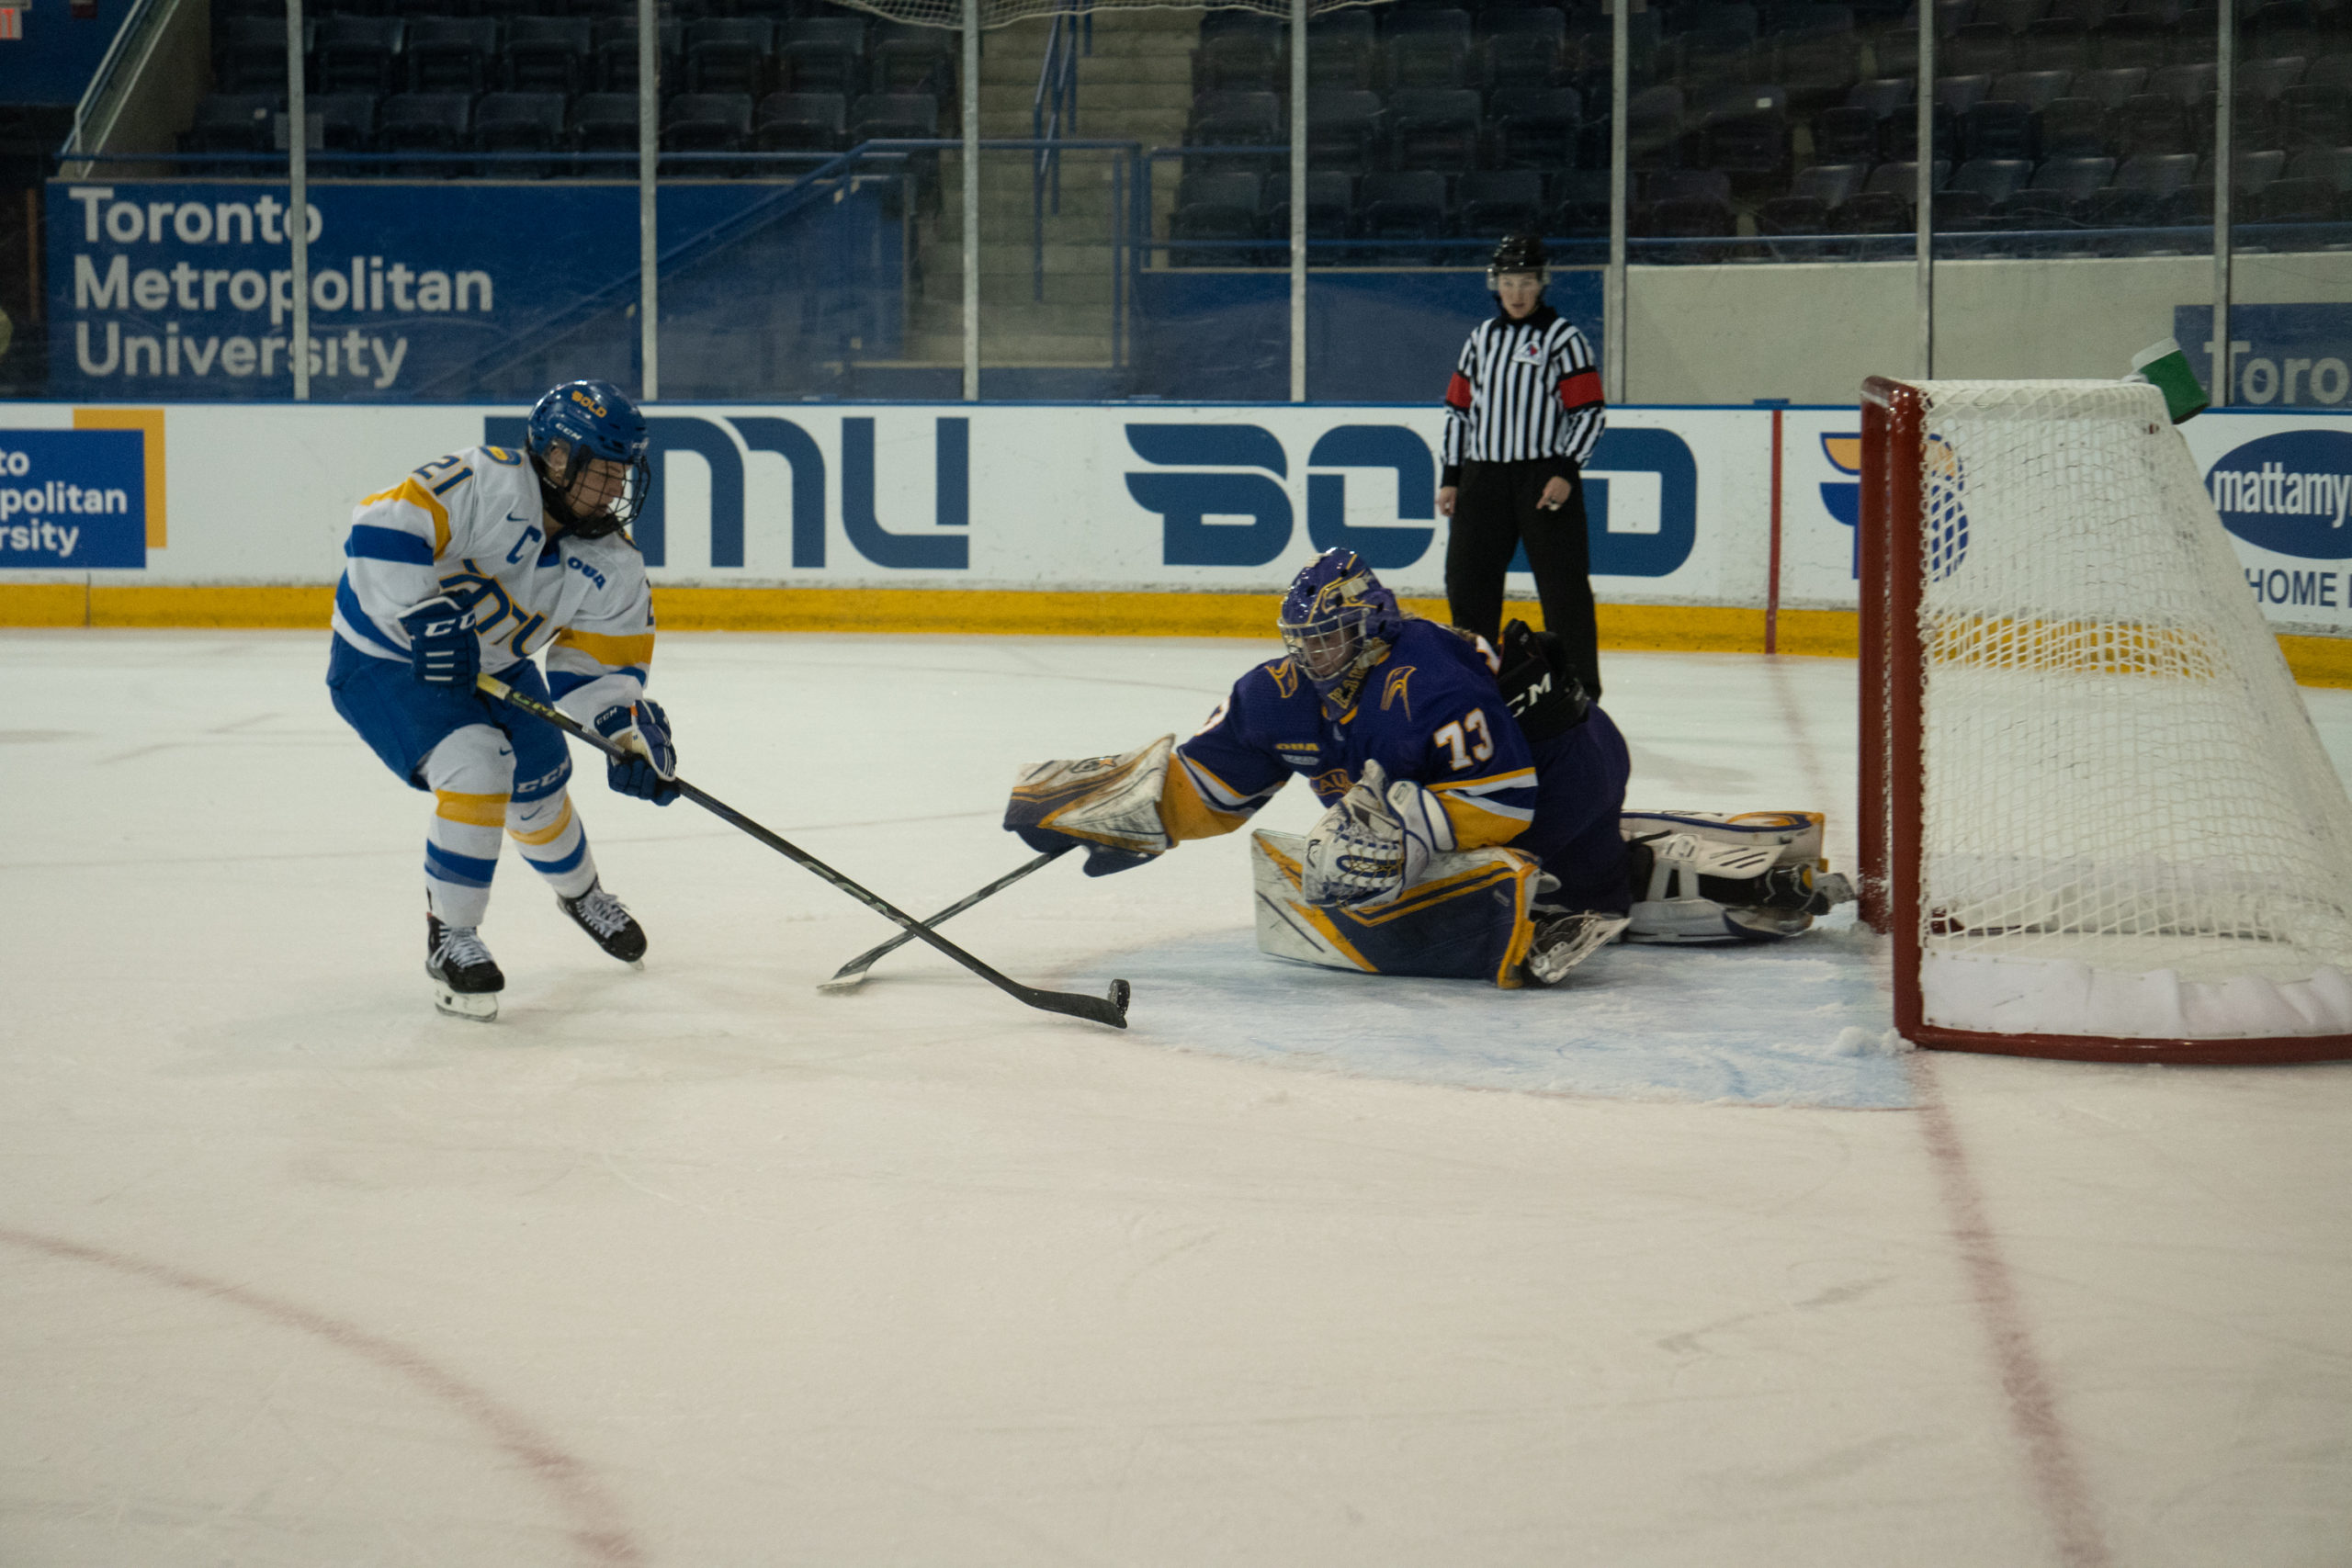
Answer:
(1428, 711)
(472, 525)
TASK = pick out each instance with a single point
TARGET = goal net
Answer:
(2097, 819)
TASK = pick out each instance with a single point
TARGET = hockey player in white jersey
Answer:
(473, 563)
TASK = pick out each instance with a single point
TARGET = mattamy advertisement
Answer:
(1131, 497)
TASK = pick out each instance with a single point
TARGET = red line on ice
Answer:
(596, 1528)
(2033, 1407)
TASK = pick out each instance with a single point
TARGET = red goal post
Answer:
(2095, 820)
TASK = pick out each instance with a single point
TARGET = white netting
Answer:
(998, 13)
(2129, 826)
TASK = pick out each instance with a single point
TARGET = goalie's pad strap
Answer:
(1468, 920)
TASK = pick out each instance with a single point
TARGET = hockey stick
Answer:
(1111, 1009)
(853, 973)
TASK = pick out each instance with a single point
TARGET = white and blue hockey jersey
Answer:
(472, 525)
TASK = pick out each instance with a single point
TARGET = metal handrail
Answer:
(816, 183)
(1056, 100)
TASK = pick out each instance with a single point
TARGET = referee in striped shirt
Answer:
(1523, 414)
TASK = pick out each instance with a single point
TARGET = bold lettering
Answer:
(281, 297)
(376, 283)
(329, 291)
(246, 289)
(2290, 498)
(117, 500)
(212, 282)
(355, 351)
(193, 223)
(89, 197)
(311, 229)
(269, 347)
(92, 292)
(237, 356)
(69, 535)
(131, 347)
(2331, 378)
(172, 347)
(82, 347)
(224, 211)
(2275, 588)
(150, 289)
(2259, 381)
(184, 281)
(480, 279)
(2294, 367)
(269, 206)
(431, 290)
(400, 276)
(2306, 590)
(201, 364)
(390, 364)
(124, 226)
(159, 213)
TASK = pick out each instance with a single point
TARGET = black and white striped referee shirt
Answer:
(1523, 390)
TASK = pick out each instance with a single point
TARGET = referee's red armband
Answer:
(1458, 391)
(1582, 390)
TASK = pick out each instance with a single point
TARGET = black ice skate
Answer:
(604, 917)
(465, 981)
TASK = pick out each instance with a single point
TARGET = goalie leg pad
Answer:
(1111, 804)
(1468, 920)
(1708, 877)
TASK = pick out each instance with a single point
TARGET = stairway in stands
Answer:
(1135, 86)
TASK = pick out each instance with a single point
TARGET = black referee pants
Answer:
(1493, 513)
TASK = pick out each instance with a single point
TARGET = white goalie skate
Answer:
(1708, 877)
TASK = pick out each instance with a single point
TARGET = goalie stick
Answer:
(1111, 1009)
(853, 973)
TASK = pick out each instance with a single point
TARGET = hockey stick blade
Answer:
(1110, 1010)
(852, 975)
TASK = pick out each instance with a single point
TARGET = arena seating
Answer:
(1433, 125)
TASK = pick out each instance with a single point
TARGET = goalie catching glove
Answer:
(1374, 841)
(1109, 805)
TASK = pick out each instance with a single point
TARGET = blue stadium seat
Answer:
(451, 54)
(355, 54)
(548, 55)
(519, 122)
(801, 122)
(1492, 203)
(1432, 128)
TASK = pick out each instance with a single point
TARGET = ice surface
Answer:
(699, 1267)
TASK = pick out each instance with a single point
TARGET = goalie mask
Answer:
(1336, 621)
(575, 427)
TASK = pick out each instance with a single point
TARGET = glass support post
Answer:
(2224, 360)
(1298, 13)
(1614, 324)
(971, 107)
(297, 201)
(649, 243)
(1923, 190)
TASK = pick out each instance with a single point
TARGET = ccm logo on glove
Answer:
(442, 647)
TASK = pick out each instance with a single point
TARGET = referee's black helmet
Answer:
(1519, 253)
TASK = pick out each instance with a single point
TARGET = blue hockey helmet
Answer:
(578, 423)
(1334, 613)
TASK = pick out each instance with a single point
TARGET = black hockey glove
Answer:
(651, 768)
(442, 647)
